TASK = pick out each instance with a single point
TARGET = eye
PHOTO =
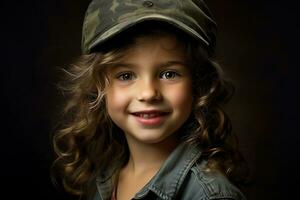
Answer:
(169, 75)
(125, 76)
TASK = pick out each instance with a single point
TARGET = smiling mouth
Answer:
(150, 117)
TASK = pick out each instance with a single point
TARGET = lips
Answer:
(150, 117)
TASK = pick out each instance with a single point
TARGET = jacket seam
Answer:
(209, 196)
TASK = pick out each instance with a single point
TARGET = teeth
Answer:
(148, 116)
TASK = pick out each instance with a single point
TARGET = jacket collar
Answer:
(167, 181)
(171, 175)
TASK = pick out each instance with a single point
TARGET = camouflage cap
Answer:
(107, 18)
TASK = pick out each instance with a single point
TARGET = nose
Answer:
(149, 91)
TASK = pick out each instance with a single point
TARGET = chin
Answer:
(154, 138)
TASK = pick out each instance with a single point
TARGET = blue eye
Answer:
(169, 75)
(126, 76)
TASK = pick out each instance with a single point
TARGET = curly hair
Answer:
(87, 142)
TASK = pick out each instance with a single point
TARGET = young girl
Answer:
(144, 117)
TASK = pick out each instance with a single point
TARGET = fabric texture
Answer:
(107, 18)
(182, 176)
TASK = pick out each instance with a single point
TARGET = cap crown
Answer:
(107, 18)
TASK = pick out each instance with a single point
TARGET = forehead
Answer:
(159, 47)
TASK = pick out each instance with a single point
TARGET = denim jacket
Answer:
(181, 177)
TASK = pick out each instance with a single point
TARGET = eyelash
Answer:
(175, 74)
(122, 75)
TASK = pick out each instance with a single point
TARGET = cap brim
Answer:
(120, 27)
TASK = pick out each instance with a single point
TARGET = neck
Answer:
(147, 157)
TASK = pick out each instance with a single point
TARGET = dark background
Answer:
(257, 46)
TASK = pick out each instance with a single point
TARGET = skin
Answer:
(151, 75)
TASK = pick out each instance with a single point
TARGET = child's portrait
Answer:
(138, 99)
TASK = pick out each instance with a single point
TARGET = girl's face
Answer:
(150, 92)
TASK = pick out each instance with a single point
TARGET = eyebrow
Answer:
(160, 65)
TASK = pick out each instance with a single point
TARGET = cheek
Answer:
(181, 96)
(116, 100)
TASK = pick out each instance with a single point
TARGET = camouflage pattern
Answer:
(106, 18)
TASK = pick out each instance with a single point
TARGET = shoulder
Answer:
(202, 185)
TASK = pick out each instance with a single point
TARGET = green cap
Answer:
(105, 19)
